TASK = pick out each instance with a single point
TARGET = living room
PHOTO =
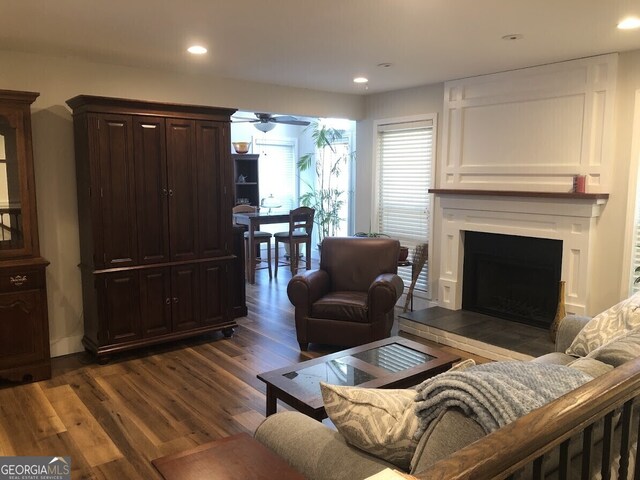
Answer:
(59, 76)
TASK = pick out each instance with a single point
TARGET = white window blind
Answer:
(404, 161)
(277, 174)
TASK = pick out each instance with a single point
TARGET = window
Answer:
(404, 166)
(341, 150)
(635, 287)
(277, 174)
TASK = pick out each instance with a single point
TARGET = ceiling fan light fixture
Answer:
(629, 23)
(264, 127)
(197, 50)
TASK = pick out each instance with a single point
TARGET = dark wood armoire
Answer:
(154, 202)
(24, 322)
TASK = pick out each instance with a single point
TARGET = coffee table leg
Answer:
(271, 401)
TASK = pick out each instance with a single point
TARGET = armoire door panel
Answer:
(21, 333)
(209, 141)
(151, 189)
(117, 191)
(155, 301)
(121, 306)
(183, 184)
(185, 297)
(214, 283)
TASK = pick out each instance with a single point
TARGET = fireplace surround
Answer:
(570, 218)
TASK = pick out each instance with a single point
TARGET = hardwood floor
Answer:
(113, 419)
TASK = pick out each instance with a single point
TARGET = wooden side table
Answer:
(230, 458)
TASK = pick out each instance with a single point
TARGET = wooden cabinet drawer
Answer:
(18, 280)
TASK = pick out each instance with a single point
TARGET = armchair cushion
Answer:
(350, 306)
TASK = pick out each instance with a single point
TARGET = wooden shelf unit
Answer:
(247, 166)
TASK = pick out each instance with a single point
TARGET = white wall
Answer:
(60, 78)
(609, 267)
(400, 103)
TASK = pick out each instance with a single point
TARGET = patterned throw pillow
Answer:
(606, 326)
(379, 421)
(621, 350)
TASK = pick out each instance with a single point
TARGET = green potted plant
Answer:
(324, 196)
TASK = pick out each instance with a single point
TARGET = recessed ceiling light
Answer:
(197, 50)
(384, 65)
(513, 36)
(629, 23)
(360, 80)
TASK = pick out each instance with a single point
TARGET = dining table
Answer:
(253, 222)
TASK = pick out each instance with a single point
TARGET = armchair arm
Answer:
(306, 288)
(568, 329)
(384, 292)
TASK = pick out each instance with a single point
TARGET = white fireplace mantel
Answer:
(567, 217)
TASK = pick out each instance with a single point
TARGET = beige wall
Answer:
(60, 78)
(611, 257)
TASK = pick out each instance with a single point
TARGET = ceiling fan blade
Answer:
(244, 120)
(289, 120)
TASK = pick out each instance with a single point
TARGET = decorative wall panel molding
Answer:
(531, 129)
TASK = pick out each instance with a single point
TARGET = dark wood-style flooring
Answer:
(113, 419)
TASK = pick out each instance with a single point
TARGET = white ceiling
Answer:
(321, 44)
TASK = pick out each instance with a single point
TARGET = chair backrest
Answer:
(353, 263)
(244, 209)
(301, 219)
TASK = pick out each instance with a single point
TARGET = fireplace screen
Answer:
(512, 277)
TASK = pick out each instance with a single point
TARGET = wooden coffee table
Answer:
(230, 458)
(390, 363)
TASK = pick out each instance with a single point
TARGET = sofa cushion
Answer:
(379, 421)
(606, 326)
(351, 306)
(554, 358)
(619, 350)
(450, 432)
(591, 366)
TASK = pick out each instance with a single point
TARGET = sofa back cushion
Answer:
(619, 350)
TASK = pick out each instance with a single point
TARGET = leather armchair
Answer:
(350, 300)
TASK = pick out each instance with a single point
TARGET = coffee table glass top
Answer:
(391, 358)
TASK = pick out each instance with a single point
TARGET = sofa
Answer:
(320, 452)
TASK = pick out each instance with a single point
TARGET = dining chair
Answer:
(258, 239)
(300, 229)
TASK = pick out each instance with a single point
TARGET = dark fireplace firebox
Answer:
(512, 277)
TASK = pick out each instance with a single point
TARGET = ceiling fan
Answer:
(266, 122)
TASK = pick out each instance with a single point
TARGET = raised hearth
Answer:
(483, 335)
